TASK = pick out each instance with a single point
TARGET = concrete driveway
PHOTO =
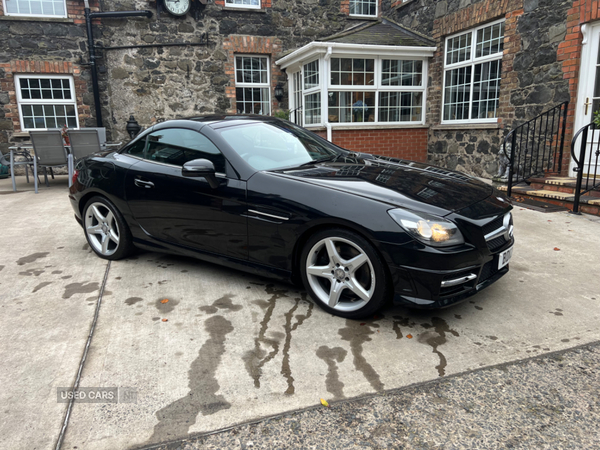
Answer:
(228, 347)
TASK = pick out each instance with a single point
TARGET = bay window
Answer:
(357, 86)
(375, 90)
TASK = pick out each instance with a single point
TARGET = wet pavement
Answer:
(205, 348)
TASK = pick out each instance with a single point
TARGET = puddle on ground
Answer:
(166, 307)
(437, 338)
(175, 419)
(332, 357)
(31, 258)
(80, 288)
(357, 333)
(224, 303)
(133, 300)
(41, 285)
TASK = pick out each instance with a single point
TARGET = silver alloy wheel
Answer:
(102, 229)
(340, 274)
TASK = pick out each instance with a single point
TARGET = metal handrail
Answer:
(536, 144)
(580, 161)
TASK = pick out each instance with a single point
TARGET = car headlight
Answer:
(431, 230)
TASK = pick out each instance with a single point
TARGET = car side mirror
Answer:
(201, 168)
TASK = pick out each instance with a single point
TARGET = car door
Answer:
(186, 211)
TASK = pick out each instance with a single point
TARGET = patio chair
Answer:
(26, 161)
(49, 152)
(101, 135)
(84, 142)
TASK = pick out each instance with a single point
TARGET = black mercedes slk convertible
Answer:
(263, 195)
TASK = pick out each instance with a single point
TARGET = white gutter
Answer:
(327, 124)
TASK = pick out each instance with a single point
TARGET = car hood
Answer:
(400, 183)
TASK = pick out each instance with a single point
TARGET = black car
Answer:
(266, 196)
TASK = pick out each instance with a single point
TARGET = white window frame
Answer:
(313, 90)
(266, 85)
(326, 87)
(234, 5)
(471, 62)
(21, 101)
(6, 13)
(296, 97)
(365, 15)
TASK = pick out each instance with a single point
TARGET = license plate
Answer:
(504, 257)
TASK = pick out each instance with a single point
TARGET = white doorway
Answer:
(588, 97)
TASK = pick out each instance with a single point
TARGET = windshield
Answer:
(277, 145)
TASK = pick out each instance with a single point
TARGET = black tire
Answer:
(344, 274)
(105, 229)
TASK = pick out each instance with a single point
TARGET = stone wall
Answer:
(161, 82)
(532, 76)
(51, 46)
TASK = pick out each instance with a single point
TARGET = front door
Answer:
(588, 99)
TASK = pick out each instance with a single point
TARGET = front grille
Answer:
(493, 225)
(489, 270)
(495, 244)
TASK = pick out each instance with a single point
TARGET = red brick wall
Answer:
(407, 143)
(13, 68)
(569, 52)
(253, 45)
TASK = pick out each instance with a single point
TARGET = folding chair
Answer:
(49, 152)
(11, 163)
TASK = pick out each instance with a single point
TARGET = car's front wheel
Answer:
(344, 274)
(106, 230)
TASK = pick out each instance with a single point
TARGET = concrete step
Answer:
(559, 184)
(587, 204)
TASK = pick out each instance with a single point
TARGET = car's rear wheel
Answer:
(344, 274)
(105, 229)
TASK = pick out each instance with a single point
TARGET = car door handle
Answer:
(144, 184)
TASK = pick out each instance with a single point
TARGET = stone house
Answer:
(219, 56)
(500, 63)
(372, 75)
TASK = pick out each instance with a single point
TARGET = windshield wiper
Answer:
(320, 160)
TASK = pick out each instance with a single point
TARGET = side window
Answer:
(177, 146)
(137, 149)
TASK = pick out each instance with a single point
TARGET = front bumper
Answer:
(441, 280)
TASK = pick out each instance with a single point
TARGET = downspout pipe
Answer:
(92, 51)
(327, 124)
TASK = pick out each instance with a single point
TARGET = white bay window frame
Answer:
(325, 52)
(469, 65)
